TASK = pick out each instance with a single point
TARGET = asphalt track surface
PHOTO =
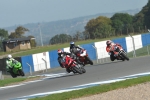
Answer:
(95, 73)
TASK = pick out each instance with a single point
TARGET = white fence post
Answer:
(30, 68)
(148, 50)
(45, 63)
(134, 54)
(96, 53)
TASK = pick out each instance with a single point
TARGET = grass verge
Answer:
(11, 81)
(95, 89)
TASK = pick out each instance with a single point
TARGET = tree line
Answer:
(104, 27)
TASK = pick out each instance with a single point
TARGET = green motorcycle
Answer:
(16, 70)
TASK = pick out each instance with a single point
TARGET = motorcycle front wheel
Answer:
(78, 70)
(83, 70)
(124, 56)
(21, 72)
(89, 60)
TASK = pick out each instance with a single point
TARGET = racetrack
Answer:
(95, 73)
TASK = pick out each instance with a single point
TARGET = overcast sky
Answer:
(19, 12)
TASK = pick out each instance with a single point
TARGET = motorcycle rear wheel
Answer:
(123, 59)
(13, 75)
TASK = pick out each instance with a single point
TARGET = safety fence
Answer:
(135, 46)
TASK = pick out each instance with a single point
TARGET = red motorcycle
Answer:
(82, 55)
(72, 65)
(119, 52)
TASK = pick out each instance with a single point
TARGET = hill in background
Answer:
(70, 26)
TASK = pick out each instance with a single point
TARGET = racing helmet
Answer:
(9, 56)
(59, 51)
(108, 43)
(72, 44)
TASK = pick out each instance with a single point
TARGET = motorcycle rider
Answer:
(110, 44)
(73, 46)
(74, 49)
(61, 54)
(9, 61)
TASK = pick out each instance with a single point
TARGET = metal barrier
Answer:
(1, 76)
